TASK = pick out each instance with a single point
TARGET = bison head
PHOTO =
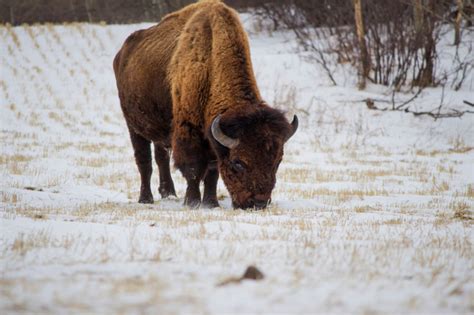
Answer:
(249, 147)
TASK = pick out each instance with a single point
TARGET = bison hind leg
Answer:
(162, 158)
(142, 151)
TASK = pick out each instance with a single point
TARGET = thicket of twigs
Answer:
(392, 43)
(17, 12)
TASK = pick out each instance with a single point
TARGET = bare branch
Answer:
(398, 107)
(435, 113)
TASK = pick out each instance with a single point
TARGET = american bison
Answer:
(187, 84)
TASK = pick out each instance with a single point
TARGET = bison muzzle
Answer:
(187, 85)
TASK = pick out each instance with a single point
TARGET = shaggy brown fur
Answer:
(174, 79)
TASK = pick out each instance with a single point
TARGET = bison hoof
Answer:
(145, 199)
(192, 203)
(165, 192)
(210, 204)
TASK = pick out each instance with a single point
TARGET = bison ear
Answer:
(294, 127)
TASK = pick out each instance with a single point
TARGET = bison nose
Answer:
(261, 203)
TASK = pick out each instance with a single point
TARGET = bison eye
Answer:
(237, 166)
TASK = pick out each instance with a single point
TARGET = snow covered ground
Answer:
(372, 212)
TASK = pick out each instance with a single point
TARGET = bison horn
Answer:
(294, 127)
(220, 137)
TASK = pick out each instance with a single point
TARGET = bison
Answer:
(187, 85)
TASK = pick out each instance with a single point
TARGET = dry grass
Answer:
(24, 243)
(9, 198)
(355, 215)
(470, 191)
(462, 211)
(16, 158)
(92, 162)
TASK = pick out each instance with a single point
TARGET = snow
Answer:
(372, 211)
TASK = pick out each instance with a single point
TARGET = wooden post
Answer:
(457, 23)
(364, 61)
(418, 18)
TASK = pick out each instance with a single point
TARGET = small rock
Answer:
(38, 216)
(33, 188)
(253, 273)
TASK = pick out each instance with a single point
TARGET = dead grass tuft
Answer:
(10, 198)
(15, 158)
(393, 222)
(462, 211)
(470, 191)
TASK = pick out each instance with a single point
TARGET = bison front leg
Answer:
(142, 150)
(193, 175)
(162, 158)
(210, 186)
(190, 159)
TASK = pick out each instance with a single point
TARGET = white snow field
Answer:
(372, 211)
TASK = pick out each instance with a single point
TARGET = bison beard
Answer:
(188, 84)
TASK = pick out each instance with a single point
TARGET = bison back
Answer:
(141, 68)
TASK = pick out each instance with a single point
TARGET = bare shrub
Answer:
(401, 37)
(112, 11)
